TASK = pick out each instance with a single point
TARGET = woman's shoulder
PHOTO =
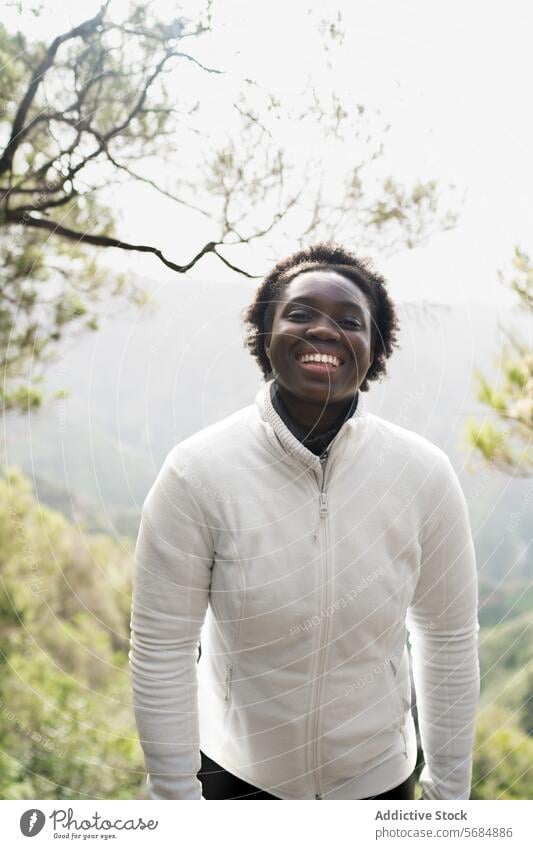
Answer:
(193, 463)
(214, 441)
(408, 458)
(407, 441)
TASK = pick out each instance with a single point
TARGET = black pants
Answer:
(217, 783)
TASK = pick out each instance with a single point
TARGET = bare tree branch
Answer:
(122, 167)
(110, 242)
(18, 130)
(200, 65)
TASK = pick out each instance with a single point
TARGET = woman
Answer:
(300, 538)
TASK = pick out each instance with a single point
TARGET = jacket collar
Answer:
(282, 437)
(318, 442)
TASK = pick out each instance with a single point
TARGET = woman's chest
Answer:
(283, 561)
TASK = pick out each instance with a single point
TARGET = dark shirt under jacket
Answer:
(316, 443)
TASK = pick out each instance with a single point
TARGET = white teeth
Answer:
(320, 358)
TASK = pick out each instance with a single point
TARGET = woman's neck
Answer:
(317, 418)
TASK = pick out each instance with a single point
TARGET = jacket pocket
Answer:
(227, 688)
(395, 670)
(395, 682)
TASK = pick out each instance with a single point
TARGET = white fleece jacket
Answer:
(302, 581)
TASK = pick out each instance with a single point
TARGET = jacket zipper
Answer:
(323, 513)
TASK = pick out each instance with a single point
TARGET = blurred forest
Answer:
(66, 723)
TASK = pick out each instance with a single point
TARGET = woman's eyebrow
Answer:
(310, 300)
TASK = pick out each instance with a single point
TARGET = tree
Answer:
(506, 442)
(113, 100)
(75, 115)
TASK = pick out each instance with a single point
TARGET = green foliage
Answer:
(503, 600)
(505, 655)
(66, 723)
(503, 757)
(412, 207)
(503, 751)
(522, 280)
(507, 442)
(526, 712)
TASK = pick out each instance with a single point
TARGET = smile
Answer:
(321, 359)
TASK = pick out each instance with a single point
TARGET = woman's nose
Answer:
(323, 330)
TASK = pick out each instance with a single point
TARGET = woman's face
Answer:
(321, 312)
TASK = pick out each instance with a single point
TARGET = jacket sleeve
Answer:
(443, 623)
(172, 574)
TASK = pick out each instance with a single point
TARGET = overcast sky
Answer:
(452, 78)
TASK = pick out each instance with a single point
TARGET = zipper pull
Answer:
(323, 504)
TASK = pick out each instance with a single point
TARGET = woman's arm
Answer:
(173, 560)
(443, 625)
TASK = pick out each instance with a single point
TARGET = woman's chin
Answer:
(321, 392)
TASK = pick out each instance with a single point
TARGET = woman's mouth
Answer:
(319, 364)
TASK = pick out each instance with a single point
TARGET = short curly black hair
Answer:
(258, 316)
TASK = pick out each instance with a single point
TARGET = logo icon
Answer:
(32, 822)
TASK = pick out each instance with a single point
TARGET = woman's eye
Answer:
(301, 315)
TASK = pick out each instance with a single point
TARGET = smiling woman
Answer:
(350, 525)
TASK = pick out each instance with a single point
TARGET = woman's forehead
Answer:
(325, 285)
